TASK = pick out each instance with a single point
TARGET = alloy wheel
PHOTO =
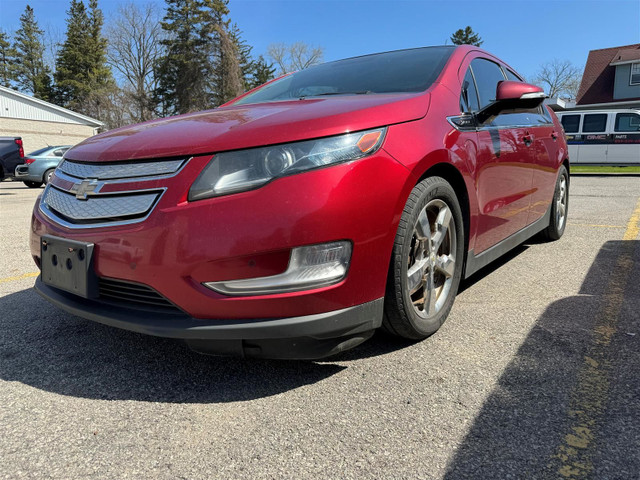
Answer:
(561, 203)
(431, 261)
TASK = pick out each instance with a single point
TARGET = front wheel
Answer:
(559, 207)
(426, 265)
(31, 184)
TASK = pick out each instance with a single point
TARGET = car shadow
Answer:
(46, 348)
(530, 414)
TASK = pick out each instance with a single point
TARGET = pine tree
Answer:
(262, 72)
(466, 37)
(192, 54)
(31, 73)
(100, 79)
(83, 78)
(7, 60)
(243, 53)
(72, 63)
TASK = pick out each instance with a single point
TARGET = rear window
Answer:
(594, 123)
(38, 152)
(401, 71)
(571, 123)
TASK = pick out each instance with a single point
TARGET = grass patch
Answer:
(604, 169)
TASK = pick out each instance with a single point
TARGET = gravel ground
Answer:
(503, 390)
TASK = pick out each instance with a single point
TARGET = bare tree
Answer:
(296, 56)
(54, 37)
(560, 78)
(134, 46)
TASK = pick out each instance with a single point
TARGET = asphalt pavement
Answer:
(534, 375)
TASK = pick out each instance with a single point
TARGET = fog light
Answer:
(309, 267)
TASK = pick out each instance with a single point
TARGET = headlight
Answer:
(231, 172)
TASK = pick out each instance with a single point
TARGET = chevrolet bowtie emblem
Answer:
(83, 188)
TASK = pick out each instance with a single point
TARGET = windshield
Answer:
(400, 71)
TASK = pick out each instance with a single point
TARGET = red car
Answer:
(297, 219)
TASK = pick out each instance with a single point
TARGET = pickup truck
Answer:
(11, 155)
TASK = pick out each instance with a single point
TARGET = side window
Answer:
(59, 152)
(469, 95)
(546, 116)
(511, 76)
(487, 75)
(627, 122)
(570, 123)
(594, 123)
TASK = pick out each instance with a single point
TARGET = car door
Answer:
(625, 145)
(545, 138)
(503, 170)
(593, 146)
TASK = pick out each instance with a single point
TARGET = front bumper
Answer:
(304, 337)
(182, 245)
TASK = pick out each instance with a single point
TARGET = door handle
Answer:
(527, 139)
(554, 135)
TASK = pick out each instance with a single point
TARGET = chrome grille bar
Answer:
(110, 171)
(98, 207)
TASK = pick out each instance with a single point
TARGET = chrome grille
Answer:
(76, 197)
(99, 207)
(135, 295)
(110, 171)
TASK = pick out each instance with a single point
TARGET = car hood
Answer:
(243, 126)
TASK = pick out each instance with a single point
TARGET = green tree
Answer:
(31, 73)
(262, 72)
(243, 54)
(83, 77)
(466, 36)
(188, 72)
(228, 80)
(7, 60)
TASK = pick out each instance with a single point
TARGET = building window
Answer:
(635, 74)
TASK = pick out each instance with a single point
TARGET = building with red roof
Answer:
(611, 78)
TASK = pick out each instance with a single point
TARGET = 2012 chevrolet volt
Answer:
(297, 219)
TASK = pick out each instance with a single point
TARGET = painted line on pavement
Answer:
(573, 458)
(19, 277)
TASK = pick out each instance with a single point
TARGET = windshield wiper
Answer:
(363, 92)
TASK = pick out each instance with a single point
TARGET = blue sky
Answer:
(522, 33)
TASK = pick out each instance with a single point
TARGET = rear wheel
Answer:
(46, 178)
(31, 184)
(426, 265)
(559, 207)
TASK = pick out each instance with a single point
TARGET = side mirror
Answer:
(512, 96)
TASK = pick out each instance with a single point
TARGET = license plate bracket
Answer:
(68, 265)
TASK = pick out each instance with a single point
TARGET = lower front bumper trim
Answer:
(320, 334)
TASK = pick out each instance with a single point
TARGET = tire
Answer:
(412, 309)
(47, 176)
(31, 184)
(559, 207)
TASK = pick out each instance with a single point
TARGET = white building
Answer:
(41, 123)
